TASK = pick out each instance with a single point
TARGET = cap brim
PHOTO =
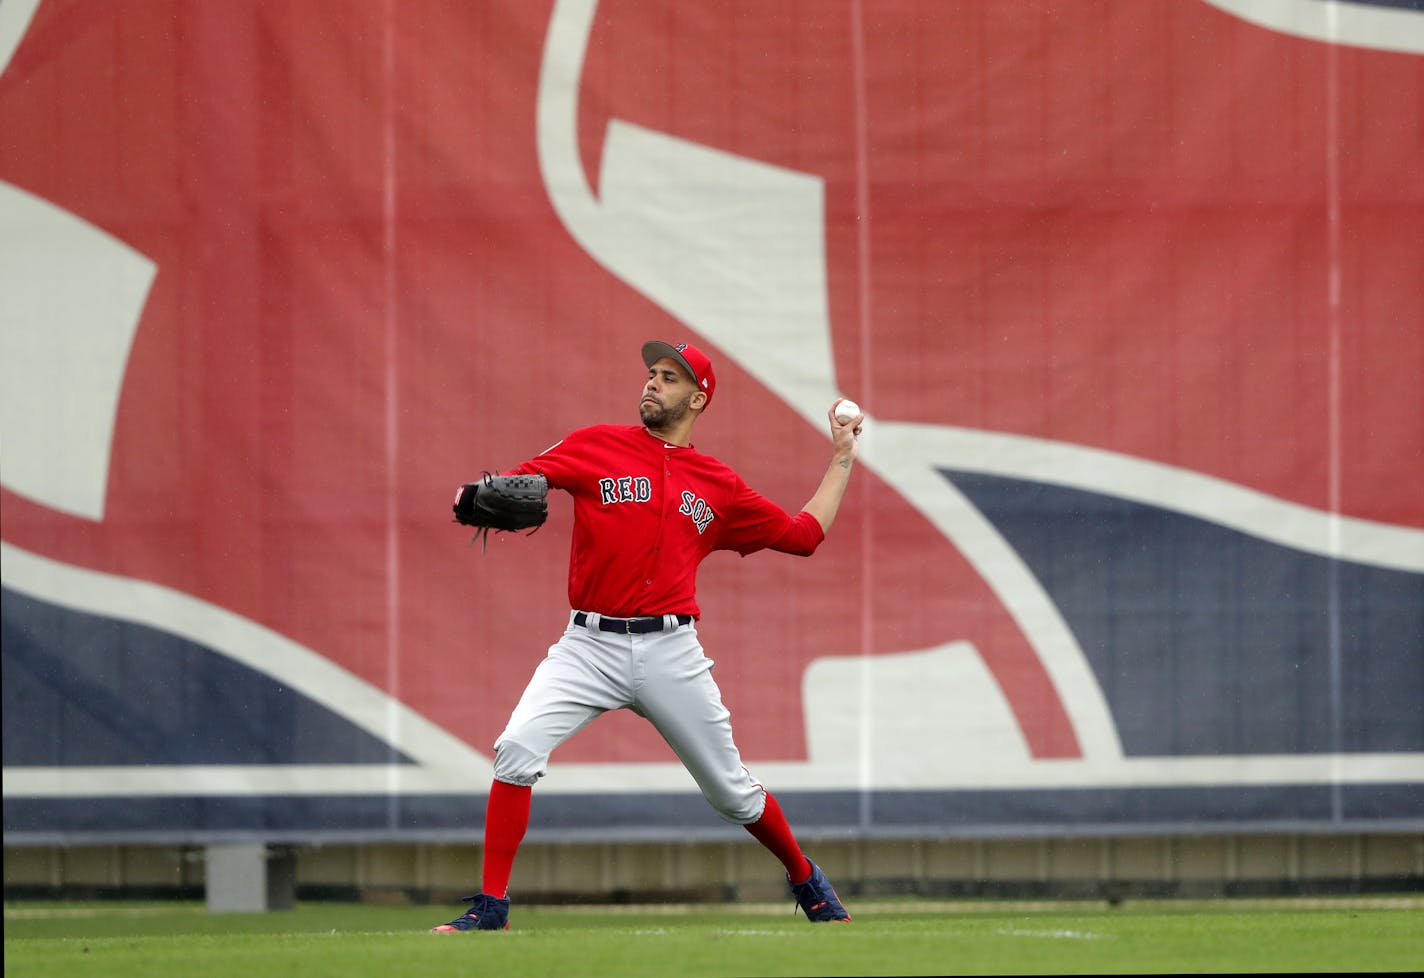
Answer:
(655, 350)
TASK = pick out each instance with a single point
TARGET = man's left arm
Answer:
(802, 538)
(824, 505)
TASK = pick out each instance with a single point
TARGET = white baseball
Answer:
(846, 410)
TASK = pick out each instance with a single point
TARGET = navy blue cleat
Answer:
(817, 898)
(485, 913)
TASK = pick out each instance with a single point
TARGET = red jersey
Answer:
(647, 512)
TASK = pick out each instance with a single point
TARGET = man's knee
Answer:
(738, 804)
(516, 764)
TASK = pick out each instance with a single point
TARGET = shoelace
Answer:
(807, 910)
(471, 900)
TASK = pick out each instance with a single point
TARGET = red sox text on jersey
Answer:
(646, 513)
(639, 489)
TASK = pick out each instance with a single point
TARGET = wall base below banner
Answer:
(250, 877)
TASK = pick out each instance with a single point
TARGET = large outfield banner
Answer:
(1132, 295)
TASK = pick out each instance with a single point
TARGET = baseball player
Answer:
(648, 507)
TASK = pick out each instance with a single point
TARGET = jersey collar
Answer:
(665, 444)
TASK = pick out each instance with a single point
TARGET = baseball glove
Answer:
(502, 502)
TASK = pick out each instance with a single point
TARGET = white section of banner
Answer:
(1357, 23)
(72, 300)
(15, 17)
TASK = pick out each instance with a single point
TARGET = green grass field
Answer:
(182, 940)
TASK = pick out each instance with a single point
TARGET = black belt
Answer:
(631, 626)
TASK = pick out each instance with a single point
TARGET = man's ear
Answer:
(699, 400)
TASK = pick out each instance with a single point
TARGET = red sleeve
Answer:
(757, 523)
(802, 537)
(559, 463)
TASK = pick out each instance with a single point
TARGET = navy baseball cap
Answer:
(693, 360)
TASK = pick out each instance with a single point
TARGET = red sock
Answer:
(506, 818)
(773, 831)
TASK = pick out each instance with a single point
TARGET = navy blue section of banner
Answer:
(1208, 641)
(83, 690)
(889, 814)
(1395, 4)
